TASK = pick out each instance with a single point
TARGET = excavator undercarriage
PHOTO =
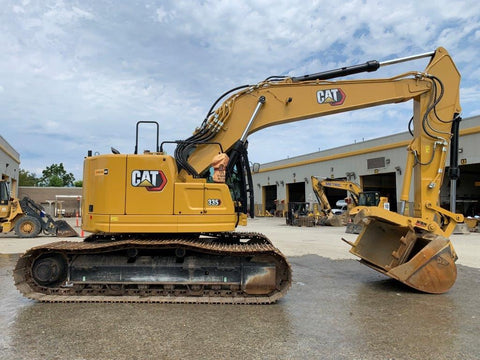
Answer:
(229, 268)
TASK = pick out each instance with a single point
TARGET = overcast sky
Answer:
(78, 75)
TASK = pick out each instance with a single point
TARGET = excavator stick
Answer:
(421, 260)
(64, 230)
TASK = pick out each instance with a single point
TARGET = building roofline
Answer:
(9, 150)
(290, 162)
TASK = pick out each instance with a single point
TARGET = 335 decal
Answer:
(214, 202)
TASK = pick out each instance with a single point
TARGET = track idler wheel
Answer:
(115, 289)
(49, 270)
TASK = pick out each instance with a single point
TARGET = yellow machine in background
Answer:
(300, 214)
(358, 197)
(163, 226)
(27, 218)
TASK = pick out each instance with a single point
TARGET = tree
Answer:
(78, 183)
(55, 180)
(25, 178)
(56, 175)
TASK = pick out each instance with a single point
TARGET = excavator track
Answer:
(224, 268)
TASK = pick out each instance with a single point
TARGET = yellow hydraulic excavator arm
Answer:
(279, 100)
(326, 216)
(319, 191)
(412, 249)
(320, 185)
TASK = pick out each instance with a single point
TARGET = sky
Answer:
(78, 75)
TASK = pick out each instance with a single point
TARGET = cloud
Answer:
(77, 75)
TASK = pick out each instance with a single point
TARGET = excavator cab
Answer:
(4, 193)
(368, 198)
(4, 200)
(373, 198)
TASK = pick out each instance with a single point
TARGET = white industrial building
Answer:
(9, 165)
(376, 164)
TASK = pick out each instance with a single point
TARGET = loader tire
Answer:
(28, 227)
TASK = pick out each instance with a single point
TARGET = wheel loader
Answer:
(27, 218)
(163, 226)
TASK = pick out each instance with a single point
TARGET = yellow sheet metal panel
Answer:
(150, 184)
(206, 223)
(143, 223)
(189, 198)
(171, 223)
(218, 200)
(193, 198)
(104, 184)
(96, 223)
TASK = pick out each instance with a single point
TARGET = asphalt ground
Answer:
(336, 309)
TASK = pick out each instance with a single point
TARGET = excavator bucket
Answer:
(334, 220)
(423, 261)
(64, 230)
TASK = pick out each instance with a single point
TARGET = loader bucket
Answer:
(423, 261)
(64, 230)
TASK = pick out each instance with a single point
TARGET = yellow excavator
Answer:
(27, 218)
(163, 226)
(358, 197)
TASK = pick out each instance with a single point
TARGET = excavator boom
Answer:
(325, 215)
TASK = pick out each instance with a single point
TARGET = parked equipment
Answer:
(163, 226)
(300, 214)
(358, 197)
(28, 218)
